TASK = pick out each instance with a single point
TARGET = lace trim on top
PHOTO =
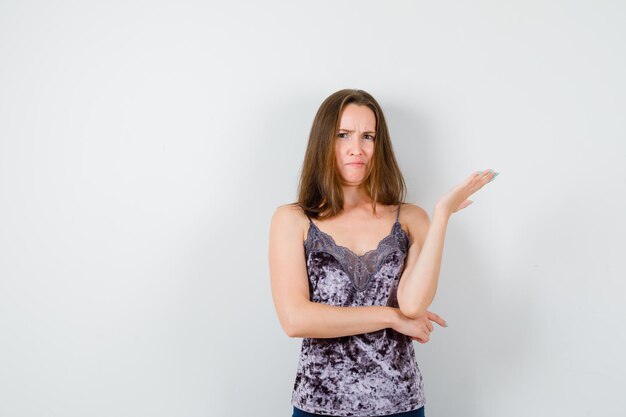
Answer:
(360, 268)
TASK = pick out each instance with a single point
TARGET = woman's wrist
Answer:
(392, 317)
(441, 213)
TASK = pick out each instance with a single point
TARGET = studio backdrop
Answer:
(145, 145)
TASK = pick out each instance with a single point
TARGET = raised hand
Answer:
(457, 198)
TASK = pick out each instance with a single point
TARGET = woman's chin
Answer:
(352, 182)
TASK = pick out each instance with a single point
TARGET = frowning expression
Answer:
(354, 143)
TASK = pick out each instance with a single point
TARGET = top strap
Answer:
(398, 215)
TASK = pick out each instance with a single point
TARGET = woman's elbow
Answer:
(291, 331)
(413, 313)
(293, 318)
(411, 310)
(291, 326)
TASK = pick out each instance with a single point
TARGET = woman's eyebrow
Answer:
(350, 131)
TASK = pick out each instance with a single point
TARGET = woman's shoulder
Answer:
(290, 216)
(290, 211)
(415, 218)
(412, 210)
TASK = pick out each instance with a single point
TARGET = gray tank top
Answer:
(369, 374)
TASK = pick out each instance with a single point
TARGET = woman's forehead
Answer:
(355, 117)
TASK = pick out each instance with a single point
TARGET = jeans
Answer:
(415, 413)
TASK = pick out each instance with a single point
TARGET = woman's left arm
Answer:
(418, 283)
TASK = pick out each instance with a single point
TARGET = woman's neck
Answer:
(354, 196)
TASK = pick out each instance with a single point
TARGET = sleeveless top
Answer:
(369, 374)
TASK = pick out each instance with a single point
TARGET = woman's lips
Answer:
(359, 164)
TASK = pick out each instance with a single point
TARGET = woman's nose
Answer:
(355, 147)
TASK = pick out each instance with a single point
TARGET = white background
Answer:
(144, 146)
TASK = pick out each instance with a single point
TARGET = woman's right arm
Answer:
(298, 316)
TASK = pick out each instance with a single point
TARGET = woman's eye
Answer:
(345, 135)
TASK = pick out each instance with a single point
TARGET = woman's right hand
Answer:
(419, 328)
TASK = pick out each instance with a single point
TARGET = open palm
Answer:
(457, 198)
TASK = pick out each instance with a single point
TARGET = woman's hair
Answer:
(319, 192)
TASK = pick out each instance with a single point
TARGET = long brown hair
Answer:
(319, 192)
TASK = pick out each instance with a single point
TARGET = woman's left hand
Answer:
(457, 198)
(430, 316)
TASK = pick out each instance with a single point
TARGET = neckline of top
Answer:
(391, 233)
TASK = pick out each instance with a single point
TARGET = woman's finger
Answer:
(465, 204)
(480, 181)
(420, 340)
(432, 316)
(429, 325)
(487, 175)
(436, 318)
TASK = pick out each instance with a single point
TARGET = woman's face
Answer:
(354, 143)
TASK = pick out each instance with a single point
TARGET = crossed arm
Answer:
(299, 317)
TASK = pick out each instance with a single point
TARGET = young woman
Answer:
(353, 268)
